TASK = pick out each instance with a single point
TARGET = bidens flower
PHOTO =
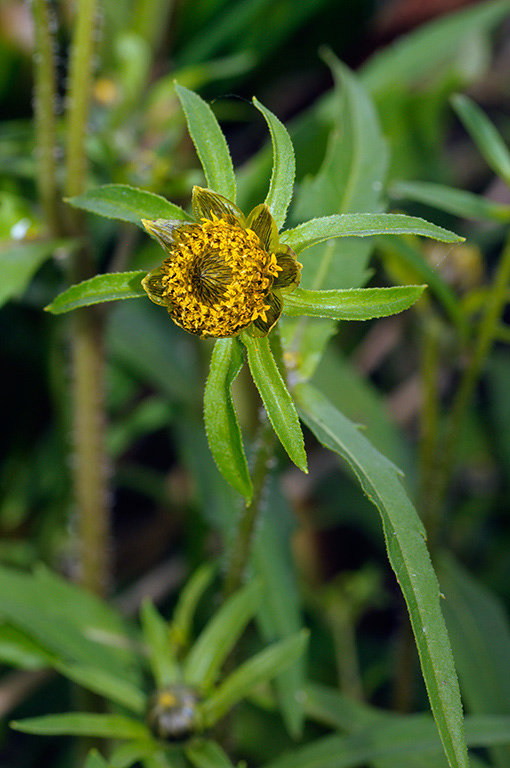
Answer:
(225, 273)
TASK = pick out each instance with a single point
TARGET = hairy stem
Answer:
(45, 98)
(90, 461)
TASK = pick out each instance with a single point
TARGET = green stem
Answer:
(45, 93)
(90, 462)
(486, 335)
(241, 548)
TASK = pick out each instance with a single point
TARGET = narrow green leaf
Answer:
(18, 650)
(276, 398)
(127, 754)
(334, 709)
(108, 287)
(407, 552)
(210, 143)
(161, 653)
(182, 619)
(83, 724)
(284, 167)
(204, 661)
(485, 135)
(259, 669)
(207, 754)
(221, 422)
(352, 303)
(95, 760)
(362, 225)
(456, 201)
(125, 203)
(20, 261)
(105, 684)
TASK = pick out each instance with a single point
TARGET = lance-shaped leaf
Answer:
(95, 760)
(485, 135)
(276, 398)
(210, 143)
(407, 552)
(182, 619)
(207, 754)
(221, 422)
(125, 203)
(161, 653)
(127, 754)
(105, 684)
(20, 261)
(109, 287)
(362, 225)
(284, 167)
(352, 303)
(83, 724)
(259, 669)
(456, 201)
(215, 642)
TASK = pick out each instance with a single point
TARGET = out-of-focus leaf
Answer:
(208, 138)
(259, 669)
(182, 619)
(161, 653)
(95, 760)
(276, 398)
(102, 682)
(484, 133)
(429, 47)
(127, 754)
(221, 422)
(363, 225)
(83, 724)
(204, 661)
(480, 635)
(208, 754)
(18, 650)
(20, 261)
(352, 303)
(284, 167)
(456, 201)
(125, 203)
(407, 552)
(108, 287)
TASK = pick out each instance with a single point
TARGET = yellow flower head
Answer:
(223, 273)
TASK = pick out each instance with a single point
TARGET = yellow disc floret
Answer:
(217, 277)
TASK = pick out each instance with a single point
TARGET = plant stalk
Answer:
(45, 99)
(90, 460)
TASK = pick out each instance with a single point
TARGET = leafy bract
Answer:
(352, 303)
(221, 422)
(405, 542)
(157, 636)
(125, 203)
(276, 398)
(284, 167)
(83, 724)
(208, 138)
(108, 287)
(363, 225)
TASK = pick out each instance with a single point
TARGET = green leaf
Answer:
(182, 619)
(207, 754)
(161, 653)
(125, 203)
(259, 669)
(204, 661)
(485, 135)
(127, 754)
(108, 287)
(480, 635)
(284, 167)
(276, 398)
(362, 225)
(210, 143)
(95, 760)
(424, 51)
(105, 684)
(221, 422)
(352, 303)
(19, 262)
(456, 201)
(407, 552)
(18, 650)
(83, 724)
(334, 709)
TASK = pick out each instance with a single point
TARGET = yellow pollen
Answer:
(217, 278)
(167, 699)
